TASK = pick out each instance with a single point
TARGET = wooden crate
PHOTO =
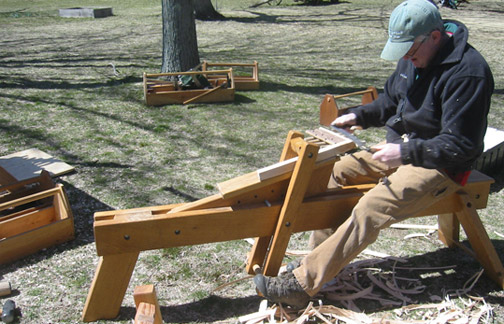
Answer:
(34, 214)
(160, 90)
(244, 80)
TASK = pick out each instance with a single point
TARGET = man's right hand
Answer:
(345, 121)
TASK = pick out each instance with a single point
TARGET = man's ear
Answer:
(436, 36)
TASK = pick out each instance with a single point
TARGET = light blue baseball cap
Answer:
(409, 20)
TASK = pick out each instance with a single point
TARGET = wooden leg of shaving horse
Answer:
(109, 285)
(288, 151)
(479, 240)
(257, 254)
(449, 229)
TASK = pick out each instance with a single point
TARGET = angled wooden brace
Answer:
(257, 254)
(293, 199)
(267, 252)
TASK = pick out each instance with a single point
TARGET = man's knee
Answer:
(319, 236)
(357, 168)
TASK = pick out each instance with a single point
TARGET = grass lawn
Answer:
(58, 93)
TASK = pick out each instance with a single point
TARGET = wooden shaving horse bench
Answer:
(269, 204)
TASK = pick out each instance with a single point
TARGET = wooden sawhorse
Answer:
(269, 204)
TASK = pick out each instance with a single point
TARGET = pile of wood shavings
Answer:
(390, 291)
(476, 311)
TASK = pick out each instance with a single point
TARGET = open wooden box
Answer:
(159, 89)
(34, 214)
(246, 75)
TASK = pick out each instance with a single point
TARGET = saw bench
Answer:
(269, 204)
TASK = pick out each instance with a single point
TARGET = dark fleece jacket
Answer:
(442, 109)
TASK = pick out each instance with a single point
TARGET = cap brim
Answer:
(393, 51)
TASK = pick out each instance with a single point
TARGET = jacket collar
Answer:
(454, 48)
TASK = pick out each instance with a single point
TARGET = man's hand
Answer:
(345, 121)
(389, 153)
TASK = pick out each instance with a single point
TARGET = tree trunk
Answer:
(204, 10)
(180, 45)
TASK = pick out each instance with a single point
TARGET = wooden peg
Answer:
(146, 314)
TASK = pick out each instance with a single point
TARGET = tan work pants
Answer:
(400, 193)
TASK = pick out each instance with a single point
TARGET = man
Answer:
(434, 107)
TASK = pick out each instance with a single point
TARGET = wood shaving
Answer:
(389, 290)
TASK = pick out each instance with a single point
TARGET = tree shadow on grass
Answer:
(317, 18)
(15, 82)
(210, 309)
(266, 86)
(315, 89)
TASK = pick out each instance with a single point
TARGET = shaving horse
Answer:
(269, 204)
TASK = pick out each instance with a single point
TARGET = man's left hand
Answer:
(389, 153)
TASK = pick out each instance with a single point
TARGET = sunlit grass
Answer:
(59, 94)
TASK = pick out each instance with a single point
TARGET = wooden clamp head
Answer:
(297, 145)
(288, 152)
(328, 110)
(370, 95)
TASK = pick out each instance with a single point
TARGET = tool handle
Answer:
(203, 94)
(8, 310)
(5, 288)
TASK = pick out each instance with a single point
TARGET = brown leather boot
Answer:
(283, 289)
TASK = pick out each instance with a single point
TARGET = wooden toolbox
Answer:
(34, 214)
(160, 89)
(246, 75)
